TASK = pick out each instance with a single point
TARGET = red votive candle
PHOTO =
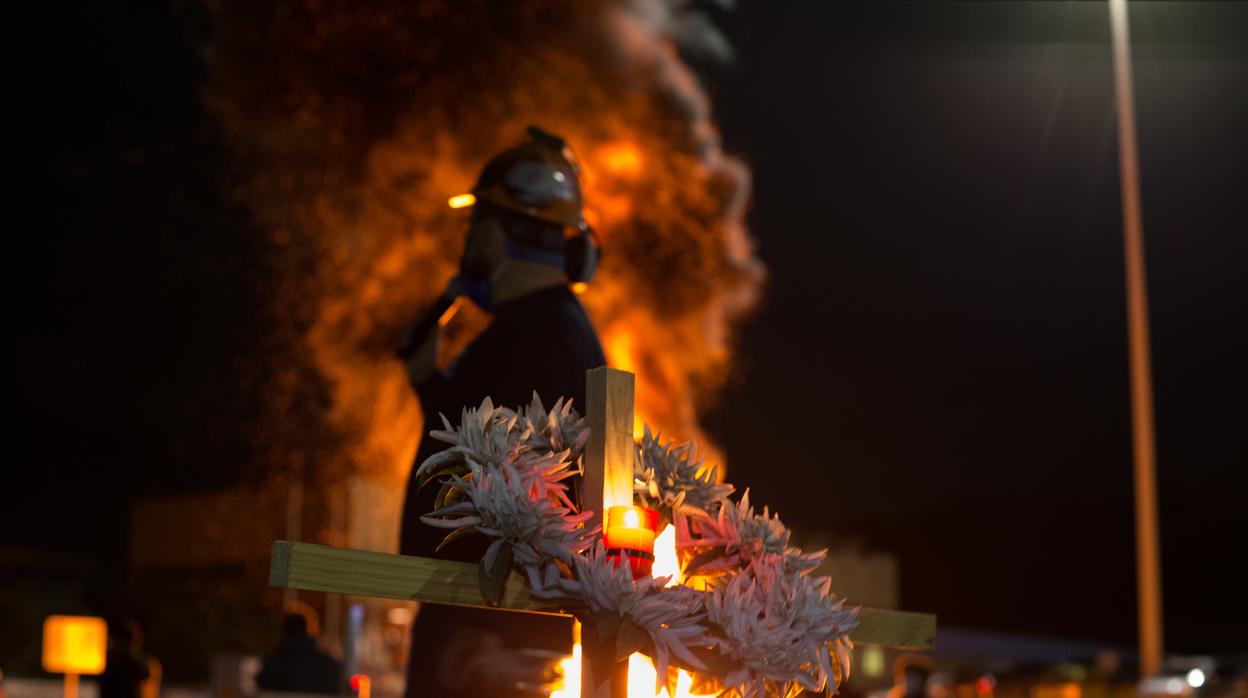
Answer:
(629, 534)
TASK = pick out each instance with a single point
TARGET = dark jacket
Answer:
(300, 666)
(540, 342)
(124, 673)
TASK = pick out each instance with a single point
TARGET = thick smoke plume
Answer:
(352, 123)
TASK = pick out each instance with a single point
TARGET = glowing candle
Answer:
(630, 533)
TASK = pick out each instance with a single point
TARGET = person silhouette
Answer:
(910, 675)
(126, 668)
(527, 242)
(297, 665)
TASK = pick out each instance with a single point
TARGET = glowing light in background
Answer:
(74, 644)
(1196, 678)
(570, 669)
(665, 559)
(461, 201)
(621, 159)
(872, 660)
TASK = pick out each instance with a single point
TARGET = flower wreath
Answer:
(759, 627)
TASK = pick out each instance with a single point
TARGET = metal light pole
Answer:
(1147, 544)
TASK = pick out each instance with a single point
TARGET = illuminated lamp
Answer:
(362, 685)
(461, 201)
(74, 645)
(630, 534)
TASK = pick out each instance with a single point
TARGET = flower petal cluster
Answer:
(780, 629)
(560, 429)
(765, 628)
(489, 434)
(674, 480)
(737, 534)
(519, 502)
(486, 434)
(672, 617)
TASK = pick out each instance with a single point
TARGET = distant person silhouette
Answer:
(910, 675)
(126, 667)
(298, 665)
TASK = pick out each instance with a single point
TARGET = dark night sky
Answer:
(942, 345)
(937, 194)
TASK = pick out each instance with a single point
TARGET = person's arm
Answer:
(418, 344)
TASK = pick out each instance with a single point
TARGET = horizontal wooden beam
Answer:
(382, 575)
(903, 630)
(363, 573)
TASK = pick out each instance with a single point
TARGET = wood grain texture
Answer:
(608, 482)
(896, 629)
(362, 573)
(609, 452)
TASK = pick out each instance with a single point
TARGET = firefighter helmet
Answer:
(538, 178)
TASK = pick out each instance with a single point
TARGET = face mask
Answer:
(478, 291)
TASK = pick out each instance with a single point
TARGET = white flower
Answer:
(560, 429)
(674, 480)
(764, 629)
(737, 535)
(672, 617)
(486, 434)
(489, 434)
(519, 503)
(783, 630)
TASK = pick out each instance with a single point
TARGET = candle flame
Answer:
(632, 519)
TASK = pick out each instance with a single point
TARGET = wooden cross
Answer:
(608, 481)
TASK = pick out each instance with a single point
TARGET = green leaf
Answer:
(445, 470)
(601, 658)
(605, 624)
(628, 639)
(454, 536)
(717, 665)
(493, 576)
(446, 496)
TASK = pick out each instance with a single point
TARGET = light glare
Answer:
(461, 201)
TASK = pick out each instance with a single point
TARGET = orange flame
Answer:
(641, 671)
(360, 124)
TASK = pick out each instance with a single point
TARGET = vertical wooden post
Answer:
(608, 482)
(609, 453)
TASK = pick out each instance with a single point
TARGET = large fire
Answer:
(355, 123)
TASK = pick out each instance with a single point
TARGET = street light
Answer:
(1147, 545)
